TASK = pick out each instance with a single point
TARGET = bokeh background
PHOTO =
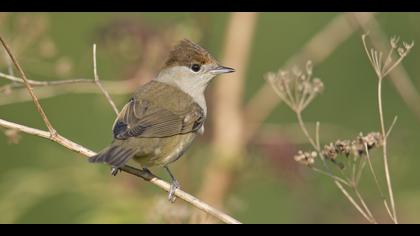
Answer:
(244, 162)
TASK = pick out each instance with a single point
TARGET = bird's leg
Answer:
(114, 170)
(174, 186)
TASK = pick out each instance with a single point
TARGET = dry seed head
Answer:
(381, 65)
(372, 139)
(343, 147)
(305, 158)
(318, 86)
(329, 152)
(355, 148)
(297, 88)
(401, 52)
(394, 41)
(408, 46)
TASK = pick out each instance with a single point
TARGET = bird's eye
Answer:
(195, 67)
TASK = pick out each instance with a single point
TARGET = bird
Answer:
(164, 116)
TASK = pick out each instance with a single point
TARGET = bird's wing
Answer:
(141, 117)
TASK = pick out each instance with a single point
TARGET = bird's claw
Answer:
(114, 171)
(174, 186)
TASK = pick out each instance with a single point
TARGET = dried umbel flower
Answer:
(305, 158)
(383, 66)
(394, 41)
(371, 140)
(329, 152)
(332, 151)
(343, 147)
(296, 88)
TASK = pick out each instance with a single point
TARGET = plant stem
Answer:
(305, 131)
(375, 178)
(352, 201)
(359, 196)
(384, 148)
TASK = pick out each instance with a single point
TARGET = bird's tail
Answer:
(115, 155)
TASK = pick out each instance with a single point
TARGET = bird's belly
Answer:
(165, 150)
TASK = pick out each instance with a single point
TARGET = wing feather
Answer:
(140, 117)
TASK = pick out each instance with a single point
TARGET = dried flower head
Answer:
(394, 41)
(296, 88)
(305, 158)
(383, 66)
(347, 148)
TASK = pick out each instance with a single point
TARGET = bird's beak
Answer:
(221, 70)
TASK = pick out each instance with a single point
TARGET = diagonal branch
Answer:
(131, 170)
(29, 88)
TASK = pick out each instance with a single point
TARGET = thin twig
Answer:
(29, 88)
(98, 83)
(131, 170)
(20, 95)
(35, 83)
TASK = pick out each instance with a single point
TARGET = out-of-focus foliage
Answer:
(43, 182)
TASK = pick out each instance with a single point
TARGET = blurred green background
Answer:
(42, 182)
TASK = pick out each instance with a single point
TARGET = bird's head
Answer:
(190, 66)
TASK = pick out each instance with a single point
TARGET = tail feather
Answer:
(116, 156)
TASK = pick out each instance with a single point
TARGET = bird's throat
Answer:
(195, 87)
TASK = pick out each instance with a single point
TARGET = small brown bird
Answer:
(163, 117)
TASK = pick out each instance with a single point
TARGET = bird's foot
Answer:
(174, 186)
(114, 171)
